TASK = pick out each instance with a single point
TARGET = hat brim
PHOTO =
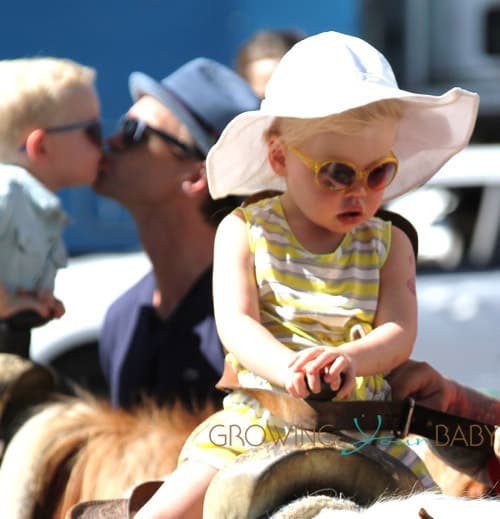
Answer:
(141, 84)
(431, 131)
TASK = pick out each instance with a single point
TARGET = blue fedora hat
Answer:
(202, 94)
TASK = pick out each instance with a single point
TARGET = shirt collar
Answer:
(41, 197)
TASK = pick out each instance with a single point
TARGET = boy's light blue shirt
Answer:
(31, 226)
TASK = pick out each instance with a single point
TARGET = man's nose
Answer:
(114, 143)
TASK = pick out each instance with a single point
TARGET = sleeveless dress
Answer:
(305, 299)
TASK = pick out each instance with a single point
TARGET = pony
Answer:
(75, 449)
(425, 505)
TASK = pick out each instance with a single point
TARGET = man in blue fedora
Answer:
(159, 338)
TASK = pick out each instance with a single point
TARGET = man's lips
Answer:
(105, 165)
(102, 173)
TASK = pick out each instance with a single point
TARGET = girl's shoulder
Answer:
(375, 226)
(373, 236)
(262, 208)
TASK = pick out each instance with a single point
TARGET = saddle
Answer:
(22, 384)
(261, 481)
(116, 508)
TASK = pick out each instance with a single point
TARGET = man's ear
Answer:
(197, 181)
(36, 148)
(276, 156)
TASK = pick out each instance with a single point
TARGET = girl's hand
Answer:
(313, 364)
(331, 364)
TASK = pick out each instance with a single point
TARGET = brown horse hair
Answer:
(93, 451)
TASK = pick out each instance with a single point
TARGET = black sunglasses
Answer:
(93, 131)
(135, 131)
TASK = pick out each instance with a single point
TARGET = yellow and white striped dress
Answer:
(305, 299)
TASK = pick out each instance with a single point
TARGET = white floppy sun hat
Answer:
(327, 74)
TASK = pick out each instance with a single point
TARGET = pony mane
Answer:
(424, 505)
(93, 451)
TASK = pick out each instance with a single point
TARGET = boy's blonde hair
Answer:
(33, 94)
(295, 131)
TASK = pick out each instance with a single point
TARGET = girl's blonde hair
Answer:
(351, 122)
(34, 94)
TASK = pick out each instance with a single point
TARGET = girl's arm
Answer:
(395, 326)
(237, 309)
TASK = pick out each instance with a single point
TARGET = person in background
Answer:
(257, 57)
(428, 387)
(159, 338)
(50, 138)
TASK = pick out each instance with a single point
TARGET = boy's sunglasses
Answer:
(338, 175)
(135, 131)
(92, 129)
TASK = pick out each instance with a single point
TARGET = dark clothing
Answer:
(179, 358)
(15, 332)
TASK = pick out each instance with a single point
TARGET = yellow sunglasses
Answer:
(338, 175)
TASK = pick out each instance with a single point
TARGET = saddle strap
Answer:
(404, 417)
(365, 416)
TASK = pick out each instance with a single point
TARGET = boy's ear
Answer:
(35, 145)
(276, 156)
(197, 181)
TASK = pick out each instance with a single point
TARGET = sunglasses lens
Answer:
(381, 176)
(336, 176)
(132, 132)
(128, 129)
(94, 133)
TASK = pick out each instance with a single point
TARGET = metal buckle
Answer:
(401, 433)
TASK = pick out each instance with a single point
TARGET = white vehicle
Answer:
(87, 288)
(457, 217)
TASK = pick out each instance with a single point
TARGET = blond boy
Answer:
(50, 138)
